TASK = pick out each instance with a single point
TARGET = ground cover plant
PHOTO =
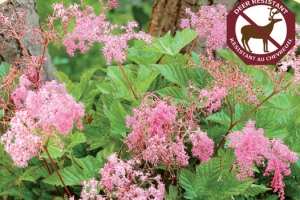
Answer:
(167, 126)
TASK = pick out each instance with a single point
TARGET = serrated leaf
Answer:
(208, 174)
(201, 78)
(117, 116)
(90, 166)
(76, 92)
(4, 69)
(292, 139)
(137, 55)
(229, 185)
(171, 46)
(176, 73)
(182, 38)
(256, 189)
(144, 79)
(178, 94)
(71, 176)
(62, 77)
(191, 184)
(54, 149)
(85, 78)
(108, 150)
(266, 118)
(77, 138)
(222, 117)
(118, 84)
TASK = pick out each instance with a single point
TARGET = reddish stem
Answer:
(246, 115)
(128, 82)
(49, 171)
(58, 174)
(193, 45)
(165, 173)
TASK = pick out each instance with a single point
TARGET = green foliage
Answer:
(209, 183)
(108, 99)
(171, 46)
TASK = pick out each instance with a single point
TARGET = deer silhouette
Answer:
(249, 31)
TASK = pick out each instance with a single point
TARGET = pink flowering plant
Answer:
(166, 126)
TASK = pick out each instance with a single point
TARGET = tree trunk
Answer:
(12, 50)
(166, 16)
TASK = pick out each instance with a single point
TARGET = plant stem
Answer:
(58, 174)
(122, 147)
(190, 52)
(128, 82)
(247, 114)
(49, 171)
(165, 173)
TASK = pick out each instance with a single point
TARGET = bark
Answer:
(12, 50)
(166, 16)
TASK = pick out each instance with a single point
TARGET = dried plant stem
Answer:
(128, 82)
(58, 174)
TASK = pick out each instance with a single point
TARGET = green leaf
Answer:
(183, 38)
(222, 117)
(85, 78)
(178, 94)
(62, 77)
(144, 79)
(1, 113)
(54, 149)
(266, 118)
(201, 78)
(171, 46)
(230, 56)
(141, 57)
(108, 150)
(4, 69)
(173, 193)
(117, 115)
(176, 73)
(208, 174)
(65, 79)
(89, 167)
(77, 138)
(256, 189)
(229, 185)
(117, 83)
(292, 139)
(191, 184)
(71, 176)
(76, 92)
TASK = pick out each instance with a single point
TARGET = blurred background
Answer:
(128, 10)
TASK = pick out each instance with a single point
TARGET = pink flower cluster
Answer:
(203, 146)
(210, 23)
(232, 78)
(213, 98)
(293, 60)
(253, 149)
(91, 28)
(42, 113)
(121, 180)
(154, 135)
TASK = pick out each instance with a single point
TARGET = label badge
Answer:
(260, 32)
